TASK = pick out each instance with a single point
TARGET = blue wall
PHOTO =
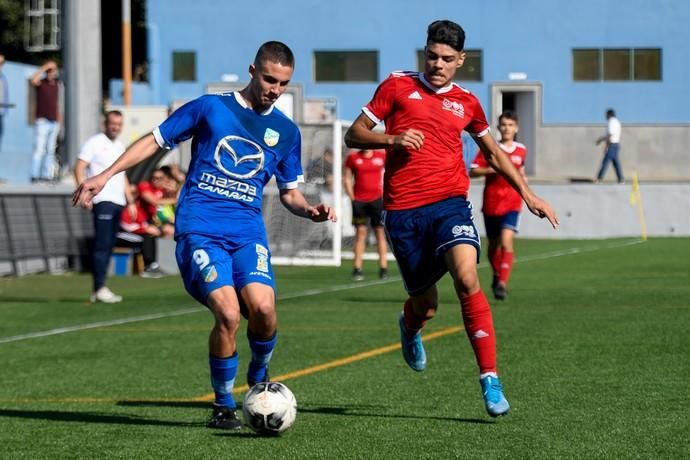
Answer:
(18, 136)
(531, 36)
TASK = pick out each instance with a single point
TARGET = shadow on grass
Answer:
(90, 417)
(47, 300)
(354, 410)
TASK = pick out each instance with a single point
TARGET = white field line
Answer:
(308, 293)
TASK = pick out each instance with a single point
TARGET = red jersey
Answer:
(368, 174)
(437, 171)
(147, 186)
(499, 197)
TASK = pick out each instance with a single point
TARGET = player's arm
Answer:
(80, 171)
(503, 166)
(296, 203)
(479, 171)
(361, 136)
(142, 149)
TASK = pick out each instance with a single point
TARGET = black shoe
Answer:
(224, 418)
(357, 274)
(152, 271)
(383, 273)
(500, 292)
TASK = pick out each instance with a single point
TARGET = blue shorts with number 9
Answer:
(420, 237)
(208, 263)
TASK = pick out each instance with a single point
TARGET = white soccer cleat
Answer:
(105, 295)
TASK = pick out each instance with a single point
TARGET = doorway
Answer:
(525, 101)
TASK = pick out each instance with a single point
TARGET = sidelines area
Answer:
(311, 292)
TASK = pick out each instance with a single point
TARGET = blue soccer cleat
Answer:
(496, 403)
(412, 348)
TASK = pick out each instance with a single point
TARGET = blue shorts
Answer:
(419, 238)
(494, 224)
(209, 263)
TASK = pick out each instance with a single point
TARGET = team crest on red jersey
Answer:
(455, 108)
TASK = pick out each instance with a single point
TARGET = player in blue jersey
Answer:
(240, 140)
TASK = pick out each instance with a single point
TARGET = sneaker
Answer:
(500, 292)
(105, 295)
(251, 382)
(383, 273)
(152, 271)
(494, 400)
(224, 418)
(412, 348)
(357, 275)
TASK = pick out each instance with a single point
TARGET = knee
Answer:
(227, 320)
(262, 311)
(467, 283)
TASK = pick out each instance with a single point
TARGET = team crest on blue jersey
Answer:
(209, 273)
(271, 137)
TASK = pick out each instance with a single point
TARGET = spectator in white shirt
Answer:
(612, 139)
(99, 152)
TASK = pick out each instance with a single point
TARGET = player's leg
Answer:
(509, 227)
(259, 300)
(253, 275)
(106, 218)
(375, 209)
(223, 357)
(410, 233)
(604, 164)
(206, 270)
(359, 220)
(614, 148)
(493, 235)
(476, 314)
(359, 246)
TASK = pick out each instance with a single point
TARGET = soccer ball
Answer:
(269, 408)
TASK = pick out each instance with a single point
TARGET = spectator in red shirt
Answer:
(502, 204)
(48, 119)
(363, 181)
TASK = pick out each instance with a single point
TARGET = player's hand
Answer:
(412, 139)
(541, 209)
(132, 210)
(321, 213)
(83, 195)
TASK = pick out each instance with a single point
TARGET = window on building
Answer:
(647, 64)
(470, 71)
(617, 64)
(346, 66)
(184, 66)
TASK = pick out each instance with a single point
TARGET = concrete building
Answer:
(559, 63)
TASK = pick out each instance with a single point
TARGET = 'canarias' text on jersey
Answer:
(499, 196)
(235, 152)
(413, 178)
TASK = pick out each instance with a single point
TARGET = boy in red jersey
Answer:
(502, 203)
(426, 214)
(363, 181)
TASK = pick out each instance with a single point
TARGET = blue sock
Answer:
(261, 355)
(223, 372)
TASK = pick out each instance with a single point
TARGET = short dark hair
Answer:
(114, 113)
(275, 51)
(446, 32)
(610, 113)
(510, 115)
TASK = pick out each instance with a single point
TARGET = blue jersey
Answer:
(235, 152)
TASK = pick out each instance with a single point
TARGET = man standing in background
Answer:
(99, 152)
(48, 120)
(613, 142)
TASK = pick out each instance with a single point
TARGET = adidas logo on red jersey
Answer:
(415, 95)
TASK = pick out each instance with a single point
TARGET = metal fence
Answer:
(40, 226)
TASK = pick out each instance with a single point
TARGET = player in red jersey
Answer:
(426, 214)
(502, 203)
(363, 181)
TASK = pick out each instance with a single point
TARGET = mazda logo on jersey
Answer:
(238, 157)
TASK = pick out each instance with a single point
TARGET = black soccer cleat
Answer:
(224, 418)
(383, 273)
(500, 292)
